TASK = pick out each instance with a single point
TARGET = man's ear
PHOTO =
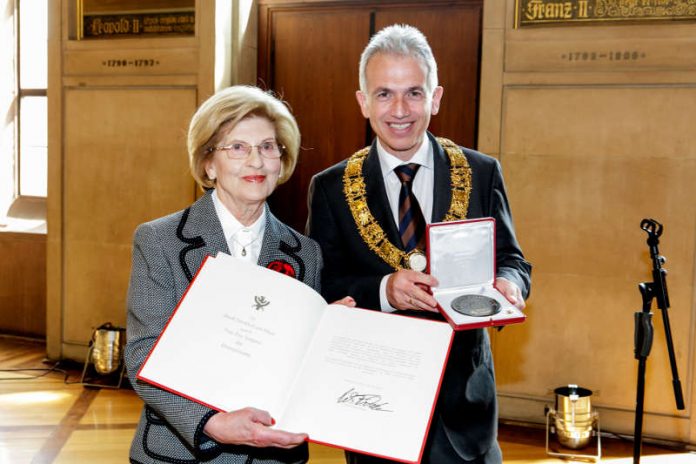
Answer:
(362, 101)
(437, 96)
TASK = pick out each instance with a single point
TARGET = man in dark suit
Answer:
(368, 214)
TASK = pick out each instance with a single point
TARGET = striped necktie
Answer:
(411, 220)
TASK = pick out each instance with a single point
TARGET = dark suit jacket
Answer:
(467, 406)
(167, 252)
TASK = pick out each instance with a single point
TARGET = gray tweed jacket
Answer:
(167, 252)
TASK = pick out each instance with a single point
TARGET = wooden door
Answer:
(309, 55)
(314, 68)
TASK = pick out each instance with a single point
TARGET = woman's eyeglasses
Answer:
(242, 150)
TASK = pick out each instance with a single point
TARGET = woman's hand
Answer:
(252, 427)
(346, 301)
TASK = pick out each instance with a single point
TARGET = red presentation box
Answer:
(461, 255)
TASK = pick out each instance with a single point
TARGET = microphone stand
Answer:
(643, 334)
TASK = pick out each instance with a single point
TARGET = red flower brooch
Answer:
(283, 267)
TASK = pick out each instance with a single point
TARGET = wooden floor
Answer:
(48, 418)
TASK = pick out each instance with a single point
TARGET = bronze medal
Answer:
(475, 305)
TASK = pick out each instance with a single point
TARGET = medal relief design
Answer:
(417, 260)
(475, 305)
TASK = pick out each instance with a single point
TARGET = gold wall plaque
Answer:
(540, 12)
(124, 18)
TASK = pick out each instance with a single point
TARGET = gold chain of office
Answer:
(368, 227)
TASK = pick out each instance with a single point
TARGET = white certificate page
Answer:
(370, 382)
(237, 338)
(361, 380)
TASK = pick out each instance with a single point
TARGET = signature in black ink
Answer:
(260, 302)
(363, 400)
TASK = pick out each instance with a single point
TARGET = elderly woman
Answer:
(242, 143)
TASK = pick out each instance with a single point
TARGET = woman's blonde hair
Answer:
(224, 110)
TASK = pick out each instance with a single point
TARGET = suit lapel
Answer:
(270, 246)
(377, 200)
(202, 234)
(442, 193)
(280, 249)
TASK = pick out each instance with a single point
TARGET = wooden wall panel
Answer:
(23, 284)
(589, 148)
(634, 121)
(607, 54)
(148, 61)
(125, 163)
(593, 182)
(117, 158)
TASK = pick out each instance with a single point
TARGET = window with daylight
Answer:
(24, 109)
(31, 175)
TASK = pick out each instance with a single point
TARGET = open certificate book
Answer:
(361, 380)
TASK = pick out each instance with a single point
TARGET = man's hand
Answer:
(406, 289)
(511, 291)
(250, 426)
